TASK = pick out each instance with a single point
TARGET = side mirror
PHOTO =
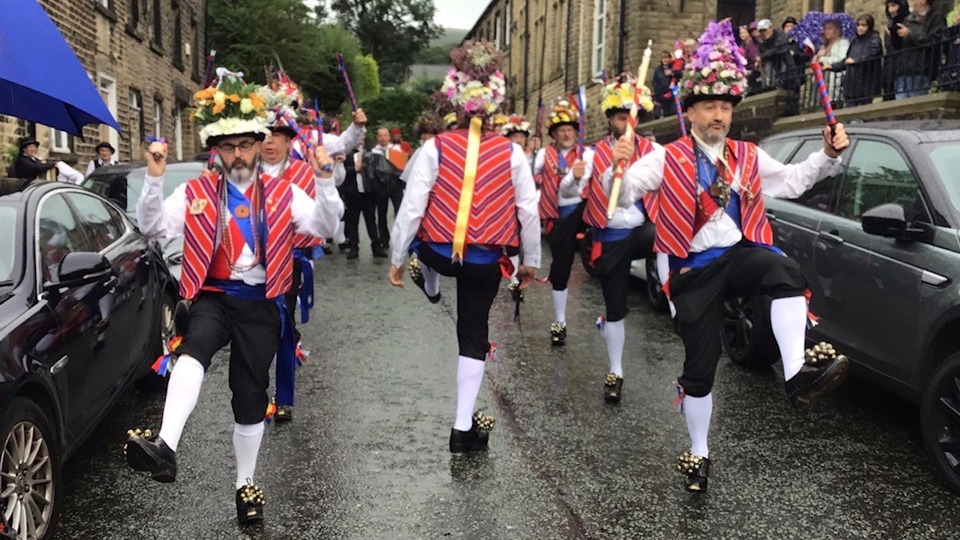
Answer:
(889, 220)
(81, 268)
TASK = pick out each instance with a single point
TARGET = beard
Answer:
(240, 171)
(712, 136)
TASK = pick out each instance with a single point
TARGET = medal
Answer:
(242, 211)
(197, 206)
(720, 190)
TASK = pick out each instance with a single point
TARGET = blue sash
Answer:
(707, 175)
(305, 295)
(474, 254)
(235, 198)
(568, 209)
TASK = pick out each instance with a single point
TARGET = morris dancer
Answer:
(629, 234)
(238, 225)
(713, 226)
(562, 169)
(470, 195)
(517, 129)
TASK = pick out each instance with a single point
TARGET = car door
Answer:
(77, 342)
(871, 285)
(131, 302)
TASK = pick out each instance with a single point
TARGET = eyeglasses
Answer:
(229, 148)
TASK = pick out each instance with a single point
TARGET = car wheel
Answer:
(150, 381)
(29, 471)
(586, 246)
(940, 421)
(658, 299)
(746, 335)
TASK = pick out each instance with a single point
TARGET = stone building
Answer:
(147, 59)
(554, 46)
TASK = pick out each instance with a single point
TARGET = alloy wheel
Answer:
(26, 481)
(947, 418)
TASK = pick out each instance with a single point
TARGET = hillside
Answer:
(450, 37)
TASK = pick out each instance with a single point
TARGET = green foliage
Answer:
(435, 55)
(368, 78)
(393, 31)
(250, 36)
(425, 85)
(395, 108)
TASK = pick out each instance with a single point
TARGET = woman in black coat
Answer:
(28, 166)
(862, 81)
(897, 11)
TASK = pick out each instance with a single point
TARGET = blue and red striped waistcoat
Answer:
(681, 214)
(204, 255)
(300, 173)
(493, 210)
(595, 213)
(550, 178)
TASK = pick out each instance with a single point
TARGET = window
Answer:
(157, 118)
(779, 150)
(134, 14)
(136, 104)
(877, 175)
(178, 129)
(60, 141)
(198, 54)
(58, 234)
(103, 224)
(599, 33)
(823, 195)
(507, 21)
(157, 24)
(177, 36)
(497, 34)
(108, 91)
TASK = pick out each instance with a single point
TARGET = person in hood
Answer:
(897, 11)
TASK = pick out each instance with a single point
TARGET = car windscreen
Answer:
(10, 250)
(124, 190)
(945, 157)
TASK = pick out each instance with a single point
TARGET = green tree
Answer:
(395, 108)
(438, 54)
(393, 31)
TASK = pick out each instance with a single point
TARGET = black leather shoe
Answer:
(416, 275)
(379, 252)
(148, 453)
(283, 415)
(612, 387)
(353, 253)
(343, 247)
(823, 370)
(327, 246)
(558, 334)
(695, 469)
(250, 501)
(476, 438)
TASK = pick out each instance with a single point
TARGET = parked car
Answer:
(122, 184)
(86, 303)
(880, 246)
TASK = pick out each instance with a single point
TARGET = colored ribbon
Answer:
(676, 102)
(346, 80)
(825, 102)
(466, 190)
(305, 295)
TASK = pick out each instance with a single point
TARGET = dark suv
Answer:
(880, 246)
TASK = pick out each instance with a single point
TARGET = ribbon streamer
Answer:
(466, 190)
(825, 101)
(346, 80)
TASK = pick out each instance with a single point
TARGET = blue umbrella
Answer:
(41, 79)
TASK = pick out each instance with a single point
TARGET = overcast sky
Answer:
(459, 13)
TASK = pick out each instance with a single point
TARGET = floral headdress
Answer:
(716, 68)
(475, 84)
(282, 96)
(229, 107)
(618, 95)
(515, 124)
(563, 113)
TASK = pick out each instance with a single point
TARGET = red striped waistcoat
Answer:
(201, 236)
(493, 210)
(681, 216)
(596, 211)
(550, 180)
(300, 173)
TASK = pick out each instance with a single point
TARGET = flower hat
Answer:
(282, 97)
(230, 107)
(515, 124)
(618, 96)
(716, 69)
(564, 113)
(475, 84)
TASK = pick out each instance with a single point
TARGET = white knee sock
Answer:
(663, 272)
(516, 268)
(431, 280)
(339, 237)
(560, 305)
(614, 335)
(788, 318)
(183, 389)
(469, 378)
(697, 411)
(246, 446)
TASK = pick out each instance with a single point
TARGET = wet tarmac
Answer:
(366, 456)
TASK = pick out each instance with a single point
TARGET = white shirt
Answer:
(68, 174)
(334, 144)
(571, 189)
(627, 215)
(358, 165)
(92, 165)
(776, 179)
(159, 218)
(382, 150)
(405, 175)
(417, 195)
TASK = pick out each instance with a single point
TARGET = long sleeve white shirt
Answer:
(776, 180)
(571, 188)
(68, 174)
(417, 195)
(405, 175)
(92, 166)
(164, 218)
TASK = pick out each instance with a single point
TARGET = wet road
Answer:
(366, 456)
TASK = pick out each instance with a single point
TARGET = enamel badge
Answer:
(197, 206)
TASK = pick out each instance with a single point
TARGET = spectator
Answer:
(397, 138)
(950, 72)
(781, 64)
(832, 55)
(105, 154)
(389, 183)
(862, 64)
(788, 25)
(897, 11)
(662, 81)
(751, 52)
(922, 28)
(27, 165)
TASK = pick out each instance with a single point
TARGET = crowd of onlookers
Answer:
(918, 49)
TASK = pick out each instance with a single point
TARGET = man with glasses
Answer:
(238, 225)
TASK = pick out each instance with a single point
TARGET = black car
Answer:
(880, 246)
(86, 303)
